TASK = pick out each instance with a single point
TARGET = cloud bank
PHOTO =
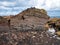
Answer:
(16, 6)
(48, 4)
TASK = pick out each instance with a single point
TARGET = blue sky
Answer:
(12, 7)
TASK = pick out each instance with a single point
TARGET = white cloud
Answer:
(23, 4)
(48, 4)
(6, 3)
(53, 3)
(3, 7)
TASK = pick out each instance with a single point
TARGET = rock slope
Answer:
(30, 19)
(27, 38)
(27, 28)
(3, 24)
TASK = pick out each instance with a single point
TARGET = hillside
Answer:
(27, 28)
(30, 19)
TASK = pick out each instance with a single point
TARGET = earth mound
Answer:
(30, 19)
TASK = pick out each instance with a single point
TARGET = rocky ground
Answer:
(15, 37)
(27, 28)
